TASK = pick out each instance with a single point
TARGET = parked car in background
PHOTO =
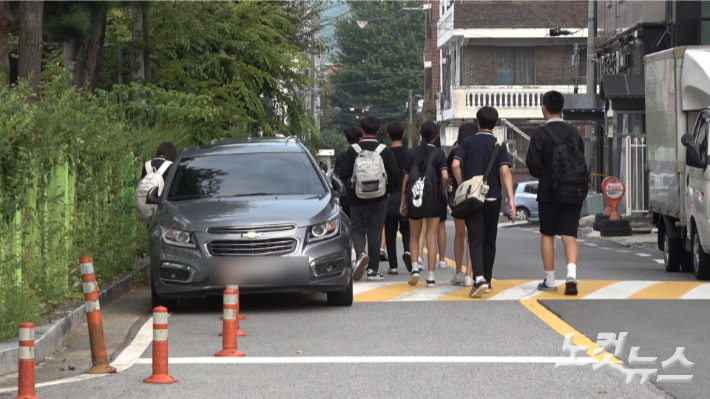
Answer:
(259, 214)
(525, 201)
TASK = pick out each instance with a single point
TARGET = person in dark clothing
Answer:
(417, 158)
(394, 221)
(353, 135)
(466, 130)
(166, 152)
(471, 159)
(555, 218)
(368, 215)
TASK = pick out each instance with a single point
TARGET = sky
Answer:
(336, 11)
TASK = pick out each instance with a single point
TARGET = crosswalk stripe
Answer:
(660, 261)
(666, 290)
(699, 292)
(643, 255)
(620, 290)
(513, 290)
(442, 289)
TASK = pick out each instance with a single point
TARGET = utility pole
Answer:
(575, 63)
(591, 34)
(411, 119)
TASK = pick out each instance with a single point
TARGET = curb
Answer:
(51, 337)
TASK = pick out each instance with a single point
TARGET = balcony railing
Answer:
(523, 97)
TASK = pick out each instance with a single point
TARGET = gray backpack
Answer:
(369, 175)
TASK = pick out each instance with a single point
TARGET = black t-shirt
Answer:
(400, 156)
(475, 152)
(438, 164)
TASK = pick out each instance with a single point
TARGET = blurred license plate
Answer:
(261, 270)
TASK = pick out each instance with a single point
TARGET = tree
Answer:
(81, 26)
(7, 19)
(30, 44)
(247, 56)
(379, 63)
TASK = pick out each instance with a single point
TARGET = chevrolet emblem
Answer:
(251, 234)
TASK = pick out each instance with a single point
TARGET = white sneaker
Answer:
(458, 279)
(443, 264)
(468, 281)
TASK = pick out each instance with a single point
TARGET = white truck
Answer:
(677, 120)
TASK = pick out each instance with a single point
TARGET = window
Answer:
(245, 174)
(516, 66)
(531, 188)
(701, 132)
(705, 22)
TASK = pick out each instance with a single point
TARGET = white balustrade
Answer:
(504, 99)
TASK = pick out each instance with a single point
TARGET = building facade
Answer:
(507, 55)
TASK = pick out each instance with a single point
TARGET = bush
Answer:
(68, 166)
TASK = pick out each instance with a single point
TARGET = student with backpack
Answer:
(353, 135)
(481, 168)
(395, 221)
(153, 175)
(373, 173)
(556, 157)
(466, 130)
(424, 184)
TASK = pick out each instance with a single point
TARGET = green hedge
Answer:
(68, 166)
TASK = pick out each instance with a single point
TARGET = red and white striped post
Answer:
(235, 287)
(240, 333)
(99, 357)
(160, 348)
(26, 376)
(230, 325)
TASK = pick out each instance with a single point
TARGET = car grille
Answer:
(269, 246)
(253, 229)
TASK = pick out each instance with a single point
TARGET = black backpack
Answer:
(569, 175)
(423, 192)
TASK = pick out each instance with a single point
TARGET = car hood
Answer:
(198, 215)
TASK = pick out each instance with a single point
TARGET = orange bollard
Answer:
(240, 333)
(99, 357)
(26, 376)
(160, 348)
(235, 287)
(230, 325)
(239, 300)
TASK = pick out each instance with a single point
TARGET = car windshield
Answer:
(244, 175)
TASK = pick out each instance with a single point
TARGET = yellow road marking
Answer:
(666, 290)
(498, 287)
(563, 328)
(584, 288)
(387, 292)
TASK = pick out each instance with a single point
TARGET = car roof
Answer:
(246, 146)
(525, 183)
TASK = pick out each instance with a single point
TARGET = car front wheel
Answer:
(341, 298)
(701, 260)
(156, 301)
(522, 214)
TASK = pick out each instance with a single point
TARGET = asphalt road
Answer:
(398, 341)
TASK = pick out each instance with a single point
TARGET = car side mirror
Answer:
(687, 139)
(152, 198)
(693, 157)
(338, 186)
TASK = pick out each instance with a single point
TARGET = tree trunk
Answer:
(94, 53)
(30, 45)
(7, 18)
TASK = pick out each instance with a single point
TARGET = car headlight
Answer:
(325, 230)
(177, 237)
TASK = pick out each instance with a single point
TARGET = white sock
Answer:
(550, 279)
(479, 278)
(431, 276)
(420, 260)
(415, 266)
(354, 254)
(572, 271)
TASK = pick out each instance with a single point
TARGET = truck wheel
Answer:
(701, 261)
(672, 253)
(341, 298)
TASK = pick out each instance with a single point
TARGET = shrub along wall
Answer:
(68, 166)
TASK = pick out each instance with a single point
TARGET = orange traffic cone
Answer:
(26, 376)
(160, 348)
(230, 325)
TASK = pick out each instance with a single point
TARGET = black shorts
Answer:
(559, 219)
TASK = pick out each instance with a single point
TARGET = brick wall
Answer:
(431, 53)
(478, 65)
(520, 14)
(552, 66)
